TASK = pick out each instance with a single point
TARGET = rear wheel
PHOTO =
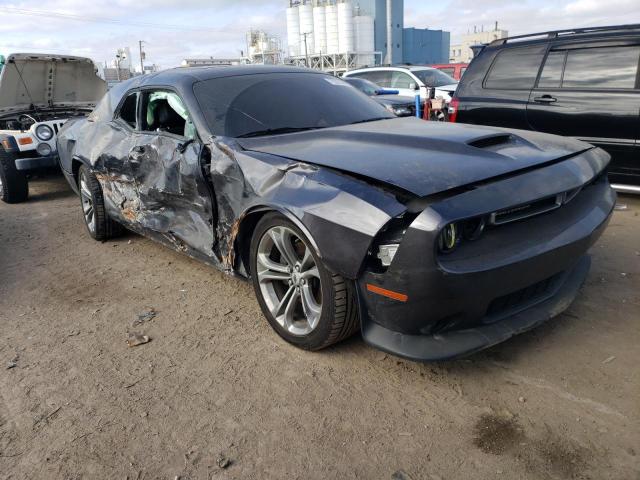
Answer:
(98, 223)
(306, 304)
(14, 186)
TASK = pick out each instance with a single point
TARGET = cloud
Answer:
(528, 16)
(195, 28)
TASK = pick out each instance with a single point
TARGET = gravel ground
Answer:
(216, 394)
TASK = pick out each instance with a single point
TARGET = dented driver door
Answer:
(174, 200)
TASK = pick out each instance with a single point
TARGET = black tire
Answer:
(339, 314)
(15, 186)
(104, 227)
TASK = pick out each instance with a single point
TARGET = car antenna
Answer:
(26, 89)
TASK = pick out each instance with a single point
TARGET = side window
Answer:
(448, 71)
(603, 67)
(551, 76)
(379, 77)
(515, 68)
(128, 110)
(401, 80)
(164, 111)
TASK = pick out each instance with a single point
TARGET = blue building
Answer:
(424, 46)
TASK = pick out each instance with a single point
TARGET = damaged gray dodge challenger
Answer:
(435, 240)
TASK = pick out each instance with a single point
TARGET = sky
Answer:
(173, 30)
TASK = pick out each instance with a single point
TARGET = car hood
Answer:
(448, 88)
(419, 157)
(45, 80)
(394, 100)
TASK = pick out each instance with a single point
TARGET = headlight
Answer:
(449, 238)
(389, 108)
(402, 111)
(44, 149)
(386, 253)
(472, 229)
(454, 233)
(44, 132)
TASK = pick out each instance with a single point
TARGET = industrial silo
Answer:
(293, 31)
(365, 39)
(306, 28)
(320, 28)
(346, 34)
(331, 14)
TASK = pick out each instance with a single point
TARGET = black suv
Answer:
(581, 83)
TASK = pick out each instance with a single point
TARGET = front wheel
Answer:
(14, 186)
(305, 304)
(96, 219)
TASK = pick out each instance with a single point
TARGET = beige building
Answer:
(461, 51)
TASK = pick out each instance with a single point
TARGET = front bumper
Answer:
(513, 278)
(25, 164)
(459, 343)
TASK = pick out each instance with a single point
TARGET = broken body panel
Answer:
(348, 188)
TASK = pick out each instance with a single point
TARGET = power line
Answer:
(91, 19)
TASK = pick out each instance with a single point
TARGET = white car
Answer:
(409, 80)
(38, 94)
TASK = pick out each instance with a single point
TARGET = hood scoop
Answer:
(492, 141)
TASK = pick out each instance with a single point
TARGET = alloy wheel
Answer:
(289, 280)
(87, 203)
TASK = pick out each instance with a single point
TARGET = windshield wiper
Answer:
(276, 131)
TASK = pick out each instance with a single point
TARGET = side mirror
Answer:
(414, 86)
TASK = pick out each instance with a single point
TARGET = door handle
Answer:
(545, 99)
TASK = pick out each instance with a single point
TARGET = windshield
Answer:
(434, 77)
(272, 103)
(365, 86)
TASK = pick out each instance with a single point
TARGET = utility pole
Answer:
(389, 33)
(142, 56)
(118, 66)
(306, 53)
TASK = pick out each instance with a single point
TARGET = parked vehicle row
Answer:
(435, 240)
(409, 80)
(390, 99)
(454, 70)
(581, 83)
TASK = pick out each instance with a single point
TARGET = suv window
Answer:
(551, 75)
(402, 80)
(604, 67)
(165, 112)
(128, 110)
(515, 68)
(379, 77)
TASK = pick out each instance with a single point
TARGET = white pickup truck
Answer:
(38, 93)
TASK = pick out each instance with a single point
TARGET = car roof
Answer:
(186, 76)
(585, 33)
(411, 68)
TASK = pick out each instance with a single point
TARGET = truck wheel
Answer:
(14, 187)
(305, 303)
(96, 219)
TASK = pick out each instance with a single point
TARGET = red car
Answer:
(454, 70)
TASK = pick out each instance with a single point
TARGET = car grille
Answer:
(522, 298)
(531, 209)
(57, 126)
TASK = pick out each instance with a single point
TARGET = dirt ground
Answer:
(216, 394)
